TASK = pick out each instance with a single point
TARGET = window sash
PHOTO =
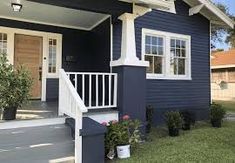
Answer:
(184, 57)
(52, 55)
(3, 42)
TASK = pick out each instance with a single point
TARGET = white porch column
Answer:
(128, 46)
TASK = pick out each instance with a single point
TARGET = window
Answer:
(52, 56)
(178, 57)
(3, 43)
(154, 54)
(168, 55)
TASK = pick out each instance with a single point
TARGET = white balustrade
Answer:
(72, 105)
(97, 90)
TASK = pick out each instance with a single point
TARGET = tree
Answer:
(218, 31)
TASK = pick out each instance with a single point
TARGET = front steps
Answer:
(103, 115)
(31, 123)
(43, 144)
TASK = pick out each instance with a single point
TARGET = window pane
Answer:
(154, 41)
(173, 52)
(173, 66)
(183, 53)
(157, 65)
(150, 59)
(178, 52)
(173, 43)
(183, 44)
(52, 56)
(3, 43)
(160, 50)
(181, 64)
(147, 40)
(147, 49)
(160, 41)
(154, 49)
(177, 43)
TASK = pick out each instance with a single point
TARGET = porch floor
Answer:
(45, 144)
(37, 109)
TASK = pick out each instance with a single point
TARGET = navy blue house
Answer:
(140, 52)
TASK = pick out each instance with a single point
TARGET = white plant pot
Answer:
(123, 151)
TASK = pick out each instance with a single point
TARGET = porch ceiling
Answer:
(52, 15)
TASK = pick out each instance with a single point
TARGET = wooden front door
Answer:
(28, 52)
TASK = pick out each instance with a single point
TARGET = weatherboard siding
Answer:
(193, 94)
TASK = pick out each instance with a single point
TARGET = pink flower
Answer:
(104, 123)
(126, 117)
(114, 121)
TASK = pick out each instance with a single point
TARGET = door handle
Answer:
(40, 73)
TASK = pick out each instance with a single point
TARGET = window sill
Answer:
(161, 77)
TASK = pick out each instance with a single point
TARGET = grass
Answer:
(202, 144)
(228, 105)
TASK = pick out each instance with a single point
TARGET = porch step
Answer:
(43, 144)
(31, 123)
(103, 115)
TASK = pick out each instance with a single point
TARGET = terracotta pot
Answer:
(9, 113)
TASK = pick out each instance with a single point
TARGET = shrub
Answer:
(174, 122)
(173, 119)
(15, 84)
(217, 113)
(124, 132)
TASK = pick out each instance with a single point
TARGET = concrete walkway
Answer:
(46, 144)
(230, 116)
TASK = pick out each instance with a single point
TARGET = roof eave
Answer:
(224, 19)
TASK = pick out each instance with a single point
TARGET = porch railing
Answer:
(72, 105)
(97, 90)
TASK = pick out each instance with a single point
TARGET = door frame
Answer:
(45, 52)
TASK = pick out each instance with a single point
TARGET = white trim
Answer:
(195, 9)
(166, 69)
(31, 123)
(44, 23)
(111, 43)
(45, 35)
(168, 6)
(128, 44)
(57, 24)
(99, 22)
(223, 66)
(210, 65)
(215, 10)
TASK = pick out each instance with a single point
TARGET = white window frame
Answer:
(46, 36)
(166, 66)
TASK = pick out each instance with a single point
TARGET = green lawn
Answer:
(228, 105)
(202, 144)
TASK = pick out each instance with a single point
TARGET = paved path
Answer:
(46, 144)
(230, 116)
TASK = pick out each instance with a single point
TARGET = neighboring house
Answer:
(120, 55)
(223, 75)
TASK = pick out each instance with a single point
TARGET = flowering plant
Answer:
(123, 132)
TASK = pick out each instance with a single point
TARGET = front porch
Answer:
(89, 67)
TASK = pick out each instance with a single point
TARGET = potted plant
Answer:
(173, 121)
(217, 114)
(149, 118)
(188, 119)
(14, 89)
(121, 135)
